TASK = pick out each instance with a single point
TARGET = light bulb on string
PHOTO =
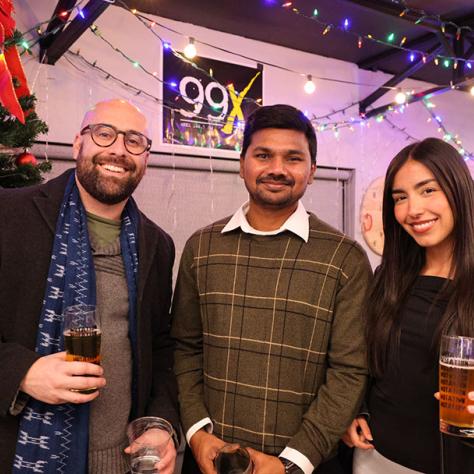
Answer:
(309, 86)
(400, 97)
(190, 49)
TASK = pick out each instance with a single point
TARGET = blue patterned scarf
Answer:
(54, 438)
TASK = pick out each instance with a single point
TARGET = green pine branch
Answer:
(13, 176)
(14, 134)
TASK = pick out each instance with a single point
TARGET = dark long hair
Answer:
(403, 258)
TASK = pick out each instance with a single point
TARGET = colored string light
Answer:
(390, 39)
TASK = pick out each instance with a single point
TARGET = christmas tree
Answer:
(19, 123)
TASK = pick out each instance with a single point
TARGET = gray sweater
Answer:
(110, 411)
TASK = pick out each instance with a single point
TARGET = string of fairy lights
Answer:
(446, 134)
(391, 39)
(323, 122)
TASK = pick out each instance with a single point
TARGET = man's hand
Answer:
(358, 434)
(168, 461)
(160, 441)
(50, 379)
(204, 447)
(265, 464)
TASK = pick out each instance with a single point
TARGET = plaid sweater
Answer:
(269, 336)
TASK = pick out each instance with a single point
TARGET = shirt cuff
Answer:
(205, 422)
(299, 459)
(19, 402)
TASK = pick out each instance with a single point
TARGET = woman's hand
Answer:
(470, 396)
(358, 434)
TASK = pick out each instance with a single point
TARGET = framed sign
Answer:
(206, 104)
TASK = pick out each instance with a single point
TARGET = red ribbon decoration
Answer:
(8, 96)
(10, 66)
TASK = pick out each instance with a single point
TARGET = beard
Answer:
(107, 189)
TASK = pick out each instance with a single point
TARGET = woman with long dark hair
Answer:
(422, 289)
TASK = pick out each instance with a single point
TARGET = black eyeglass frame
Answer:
(117, 133)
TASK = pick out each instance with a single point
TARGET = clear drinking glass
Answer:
(232, 459)
(456, 380)
(82, 336)
(148, 437)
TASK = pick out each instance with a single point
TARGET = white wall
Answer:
(67, 89)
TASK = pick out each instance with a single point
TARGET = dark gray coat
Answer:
(27, 223)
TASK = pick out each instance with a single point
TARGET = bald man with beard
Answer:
(81, 239)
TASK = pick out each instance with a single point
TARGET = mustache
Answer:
(123, 162)
(277, 179)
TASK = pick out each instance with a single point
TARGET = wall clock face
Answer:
(371, 216)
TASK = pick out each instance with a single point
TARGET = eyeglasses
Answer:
(105, 135)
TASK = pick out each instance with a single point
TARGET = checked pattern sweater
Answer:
(269, 333)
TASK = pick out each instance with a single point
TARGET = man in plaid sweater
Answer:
(267, 315)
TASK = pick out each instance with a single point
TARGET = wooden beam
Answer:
(389, 53)
(66, 38)
(395, 9)
(395, 80)
(56, 24)
(461, 85)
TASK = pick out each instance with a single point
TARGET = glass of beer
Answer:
(82, 336)
(148, 437)
(232, 459)
(456, 380)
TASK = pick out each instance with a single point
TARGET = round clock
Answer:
(371, 216)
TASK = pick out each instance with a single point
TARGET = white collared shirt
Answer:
(298, 223)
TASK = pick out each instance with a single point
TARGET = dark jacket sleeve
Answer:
(21, 293)
(163, 399)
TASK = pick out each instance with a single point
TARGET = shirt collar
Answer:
(298, 223)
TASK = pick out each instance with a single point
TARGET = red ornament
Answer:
(26, 159)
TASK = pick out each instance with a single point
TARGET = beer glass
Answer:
(82, 336)
(232, 459)
(456, 380)
(148, 437)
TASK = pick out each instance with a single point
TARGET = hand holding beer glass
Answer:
(82, 336)
(456, 380)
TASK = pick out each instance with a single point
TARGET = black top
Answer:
(404, 415)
